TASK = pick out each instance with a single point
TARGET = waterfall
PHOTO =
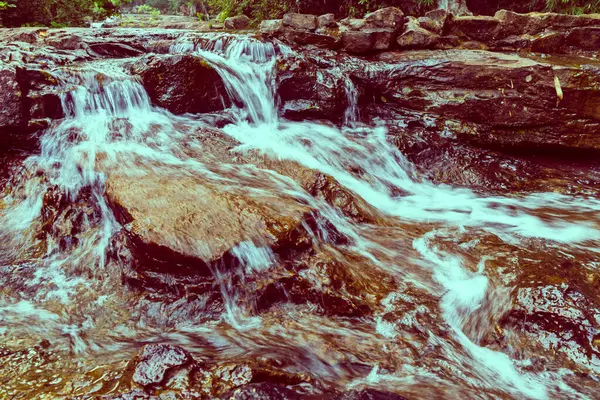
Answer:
(425, 238)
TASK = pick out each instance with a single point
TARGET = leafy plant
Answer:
(147, 9)
(575, 7)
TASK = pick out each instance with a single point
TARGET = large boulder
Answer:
(182, 83)
(237, 22)
(415, 37)
(388, 18)
(43, 91)
(534, 23)
(181, 219)
(271, 27)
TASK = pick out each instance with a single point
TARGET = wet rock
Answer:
(317, 39)
(480, 28)
(370, 394)
(43, 93)
(237, 22)
(179, 222)
(229, 378)
(262, 391)
(326, 21)
(415, 37)
(300, 21)
(271, 26)
(561, 317)
(182, 83)
(434, 21)
(12, 113)
(358, 42)
(64, 41)
(585, 39)
(154, 364)
(550, 42)
(115, 50)
(388, 18)
(500, 100)
(308, 91)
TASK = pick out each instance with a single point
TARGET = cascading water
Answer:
(423, 244)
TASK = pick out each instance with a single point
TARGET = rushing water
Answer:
(437, 249)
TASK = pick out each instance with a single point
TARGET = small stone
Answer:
(154, 361)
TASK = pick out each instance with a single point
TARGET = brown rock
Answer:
(115, 49)
(300, 21)
(548, 42)
(308, 91)
(317, 39)
(434, 21)
(185, 209)
(480, 28)
(327, 21)
(271, 26)
(534, 23)
(182, 83)
(415, 37)
(389, 18)
(237, 22)
(586, 39)
(358, 42)
(383, 38)
(500, 100)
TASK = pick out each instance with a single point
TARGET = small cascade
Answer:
(76, 273)
(351, 116)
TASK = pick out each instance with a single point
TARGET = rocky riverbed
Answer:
(381, 208)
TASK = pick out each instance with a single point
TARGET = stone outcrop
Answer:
(493, 99)
(182, 83)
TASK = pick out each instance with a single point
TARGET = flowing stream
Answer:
(439, 251)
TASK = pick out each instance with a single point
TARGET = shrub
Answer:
(147, 9)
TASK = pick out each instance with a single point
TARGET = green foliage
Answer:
(257, 9)
(5, 4)
(147, 9)
(575, 7)
(58, 13)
